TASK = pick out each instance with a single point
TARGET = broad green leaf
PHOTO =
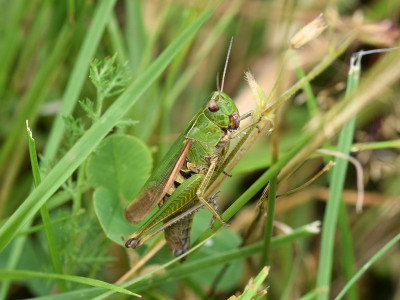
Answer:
(118, 169)
(109, 211)
(120, 164)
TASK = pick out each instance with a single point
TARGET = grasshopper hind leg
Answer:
(177, 234)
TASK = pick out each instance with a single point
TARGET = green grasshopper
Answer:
(179, 183)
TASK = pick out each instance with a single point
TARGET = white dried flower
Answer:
(309, 32)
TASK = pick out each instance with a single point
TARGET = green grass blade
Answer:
(42, 20)
(36, 94)
(367, 265)
(44, 212)
(347, 250)
(17, 249)
(33, 156)
(22, 274)
(251, 292)
(116, 39)
(11, 40)
(135, 33)
(84, 146)
(335, 195)
(79, 75)
(376, 145)
(269, 221)
(313, 294)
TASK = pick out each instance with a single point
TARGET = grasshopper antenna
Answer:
(226, 64)
(218, 89)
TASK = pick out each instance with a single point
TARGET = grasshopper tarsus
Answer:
(225, 224)
(226, 173)
(211, 223)
(132, 243)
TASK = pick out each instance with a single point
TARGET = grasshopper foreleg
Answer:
(253, 122)
(246, 115)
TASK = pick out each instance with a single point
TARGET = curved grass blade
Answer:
(366, 266)
(51, 242)
(21, 274)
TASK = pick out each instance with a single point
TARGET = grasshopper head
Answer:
(222, 111)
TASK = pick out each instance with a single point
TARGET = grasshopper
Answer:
(179, 183)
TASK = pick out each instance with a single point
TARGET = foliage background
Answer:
(46, 48)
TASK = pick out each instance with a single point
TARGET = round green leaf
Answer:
(117, 169)
(120, 164)
(109, 211)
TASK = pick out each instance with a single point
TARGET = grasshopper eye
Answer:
(213, 106)
(234, 121)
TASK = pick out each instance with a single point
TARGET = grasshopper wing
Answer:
(158, 184)
(163, 177)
